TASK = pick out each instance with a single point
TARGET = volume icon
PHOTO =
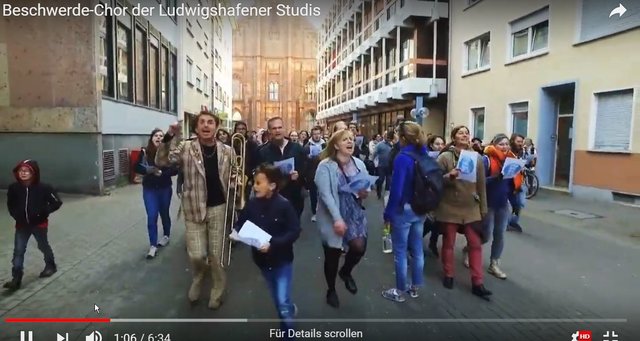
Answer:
(94, 336)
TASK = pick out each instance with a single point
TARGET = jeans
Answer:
(313, 198)
(157, 202)
(21, 240)
(517, 201)
(406, 233)
(474, 245)
(496, 223)
(384, 176)
(279, 282)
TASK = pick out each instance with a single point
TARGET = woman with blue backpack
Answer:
(408, 206)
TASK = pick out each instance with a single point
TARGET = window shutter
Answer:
(522, 107)
(595, 22)
(530, 20)
(613, 120)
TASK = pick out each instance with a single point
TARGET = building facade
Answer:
(274, 70)
(78, 94)
(197, 60)
(546, 70)
(222, 69)
(380, 59)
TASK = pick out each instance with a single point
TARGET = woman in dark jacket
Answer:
(156, 192)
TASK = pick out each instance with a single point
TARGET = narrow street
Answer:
(560, 268)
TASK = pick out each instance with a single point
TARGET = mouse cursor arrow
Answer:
(96, 308)
(620, 10)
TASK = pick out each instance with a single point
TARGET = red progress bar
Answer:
(57, 320)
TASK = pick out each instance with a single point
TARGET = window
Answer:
(105, 71)
(478, 122)
(478, 53)
(310, 90)
(165, 78)
(199, 79)
(124, 62)
(172, 4)
(237, 89)
(595, 23)
(173, 107)
(613, 121)
(154, 62)
(141, 66)
(530, 34)
(205, 85)
(189, 71)
(273, 91)
(520, 118)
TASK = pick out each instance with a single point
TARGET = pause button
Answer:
(26, 336)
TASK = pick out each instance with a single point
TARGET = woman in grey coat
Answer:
(341, 216)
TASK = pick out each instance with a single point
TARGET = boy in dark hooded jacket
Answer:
(30, 202)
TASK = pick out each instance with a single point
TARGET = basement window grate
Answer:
(123, 161)
(108, 167)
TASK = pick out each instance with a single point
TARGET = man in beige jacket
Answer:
(207, 165)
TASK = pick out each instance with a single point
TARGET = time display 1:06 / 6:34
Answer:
(143, 337)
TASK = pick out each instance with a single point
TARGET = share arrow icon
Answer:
(620, 10)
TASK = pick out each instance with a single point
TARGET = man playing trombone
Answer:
(208, 166)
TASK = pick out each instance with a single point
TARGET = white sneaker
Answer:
(164, 241)
(152, 252)
(313, 218)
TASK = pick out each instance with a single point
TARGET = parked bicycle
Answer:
(531, 180)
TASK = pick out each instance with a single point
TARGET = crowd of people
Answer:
(418, 177)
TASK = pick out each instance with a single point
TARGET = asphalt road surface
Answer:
(560, 281)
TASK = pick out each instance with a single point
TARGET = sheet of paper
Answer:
(252, 235)
(434, 154)
(512, 167)
(468, 165)
(362, 181)
(314, 150)
(286, 166)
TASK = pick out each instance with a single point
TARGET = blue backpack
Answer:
(428, 183)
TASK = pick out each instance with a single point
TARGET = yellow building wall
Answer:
(609, 63)
(596, 66)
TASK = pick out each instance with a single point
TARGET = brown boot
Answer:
(215, 300)
(219, 283)
(196, 283)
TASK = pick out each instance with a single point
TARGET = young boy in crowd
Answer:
(275, 215)
(30, 202)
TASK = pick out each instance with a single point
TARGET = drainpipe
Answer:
(434, 17)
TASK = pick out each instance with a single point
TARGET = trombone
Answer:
(235, 195)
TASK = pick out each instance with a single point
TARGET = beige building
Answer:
(274, 69)
(561, 72)
(380, 59)
(197, 59)
(222, 68)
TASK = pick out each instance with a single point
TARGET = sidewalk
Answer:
(83, 227)
(613, 221)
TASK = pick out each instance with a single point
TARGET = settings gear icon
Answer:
(574, 336)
